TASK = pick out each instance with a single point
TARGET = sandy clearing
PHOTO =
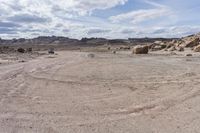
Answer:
(71, 92)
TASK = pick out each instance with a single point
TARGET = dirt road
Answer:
(73, 93)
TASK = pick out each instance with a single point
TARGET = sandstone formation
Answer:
(191, 42)
(140, 49)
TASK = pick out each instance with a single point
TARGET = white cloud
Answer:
(97, 31)
(137, 16)
(86, 6)
(44, 16)
(46, 7)
(75, 18)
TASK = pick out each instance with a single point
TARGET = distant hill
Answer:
(59, 40)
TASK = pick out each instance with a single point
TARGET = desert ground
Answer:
(101, 92)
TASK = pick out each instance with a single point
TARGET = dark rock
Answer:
(125, 48)
(29, 49)
(51, 51)
(21, 50)
(188, 54)
(114, 52)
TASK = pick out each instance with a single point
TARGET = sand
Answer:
(109, 93)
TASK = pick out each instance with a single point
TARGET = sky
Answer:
(99, 18)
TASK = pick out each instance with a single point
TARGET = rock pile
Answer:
(192, 42)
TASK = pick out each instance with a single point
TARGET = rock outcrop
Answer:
(192, 42)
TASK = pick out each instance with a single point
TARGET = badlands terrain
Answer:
(102, 88)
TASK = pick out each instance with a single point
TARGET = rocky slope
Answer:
(192, 42)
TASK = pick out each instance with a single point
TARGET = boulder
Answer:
(125, 48)
(51, 51)
(163, 46)
(197, 48)
(192, 43)
(21, 50)
(169, 45)
(180, 49)
(172, 48)
(157, 45)
(157, 48)
(140, 49)
(114, 52)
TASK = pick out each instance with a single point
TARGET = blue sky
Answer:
(104, 18)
